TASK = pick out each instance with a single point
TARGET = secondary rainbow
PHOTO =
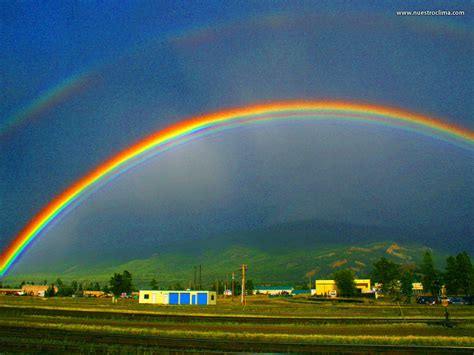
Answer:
(46, 100)
(188, 129)
(188, 37)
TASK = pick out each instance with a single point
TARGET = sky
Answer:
(81, 81)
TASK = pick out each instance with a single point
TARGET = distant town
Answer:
(422, 284)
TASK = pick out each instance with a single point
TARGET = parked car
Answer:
(427, 300)
(468, 300)
(456, 300)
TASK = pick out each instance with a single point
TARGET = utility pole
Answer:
(217, 288)
(233, 277)
(195, 271)
(226, 284)
(243, 300)
(200, 283)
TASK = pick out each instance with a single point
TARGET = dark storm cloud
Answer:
(288, 172)
(258, 176)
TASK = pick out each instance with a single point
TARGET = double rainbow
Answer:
(196, 127)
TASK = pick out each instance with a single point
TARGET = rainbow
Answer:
(186, 130)
(194, 36)
(48, 99)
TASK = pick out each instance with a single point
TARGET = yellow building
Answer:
(328, 287)
(94, 293)
(417, 287)
(36, 290)
(324, 287)
(177, 297)
(363, 285)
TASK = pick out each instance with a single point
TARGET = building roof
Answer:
(301, 292)
(324, 282)
(273, 288)
(333, 281)
(35, 288)
(173, 291)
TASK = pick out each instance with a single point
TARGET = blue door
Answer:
(173, 298)
(193, 298)
(202, 298)
(184, 298)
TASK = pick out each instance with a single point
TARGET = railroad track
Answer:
(18, 311)
(11, 340)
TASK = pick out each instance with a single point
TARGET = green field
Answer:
(264, 324)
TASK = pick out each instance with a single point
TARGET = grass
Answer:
(258, 306)
(45, 346)
(240, 334)
(301, 329)
(214, 328)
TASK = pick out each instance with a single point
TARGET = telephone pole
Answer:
(243, 300)
(195, 271)
(226, 284)
(200, 283)
(233, 277)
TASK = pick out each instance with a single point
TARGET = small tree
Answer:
(430, 277)
(127, 282)
(74, 286)
(50, 292)
(220, 287)
(387, 273)
(237, 288)
(465, 273)
(121, 283)
(116, 284)
(406, 288)
(63, 289)
(345, 282)
(451, 277)
(177, 286)
(153, 284)
(59, 282)
(249, 287)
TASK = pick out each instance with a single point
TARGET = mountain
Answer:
(281, 253)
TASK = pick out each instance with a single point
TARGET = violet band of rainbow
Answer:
(187, 130)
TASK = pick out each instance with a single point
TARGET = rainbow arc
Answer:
(195, 127)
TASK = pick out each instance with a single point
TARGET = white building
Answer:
(177, 297)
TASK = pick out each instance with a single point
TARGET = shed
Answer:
(177, 297)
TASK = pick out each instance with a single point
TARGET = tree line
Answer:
(397, 279)
(121, 283)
